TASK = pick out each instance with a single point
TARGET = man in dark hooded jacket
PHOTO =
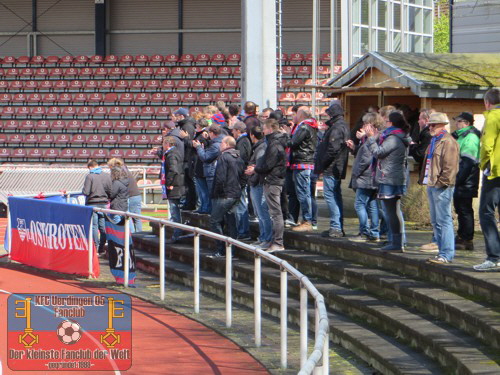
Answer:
(226, 191)
(331, 160)
(186, 124)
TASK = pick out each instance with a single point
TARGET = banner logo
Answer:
(21, 227)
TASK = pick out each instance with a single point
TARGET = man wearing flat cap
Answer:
(467, 183)
(439, 174)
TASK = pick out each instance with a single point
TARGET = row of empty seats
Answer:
(112, 98)
(74, 154)
(172, 59)
(46, 140)
(75, 126)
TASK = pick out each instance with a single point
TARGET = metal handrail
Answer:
(321, 346)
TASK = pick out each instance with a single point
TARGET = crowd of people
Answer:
(242, 164)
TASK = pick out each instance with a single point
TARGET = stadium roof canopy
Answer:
(451, 75)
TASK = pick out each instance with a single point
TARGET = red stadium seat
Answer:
(81, 60)
(8, 111)
(236, 97)
(42, 72)
(296, 81)
(171, 59)
(67, 111)
(303, 97)
(5, 153)
(66, 60)
(84, 153)
(94, 139)
(18, 85)
(79, 139)
(9, 60)
(148, 154)
(115, 112)
(62, 139)
(215, 85)
(100, 112)
(231, 85)
(157, 139)
(142, 97)
(127, 139)
(121, 84)
(193, 72)
(19, 98)
(154, 124)
(27, 124)
(43, 125)
(68, 153)
(224, 71)
(101, 72)
(5, 98)
(110, 139)
(46, 139)
(116, 153)
(23, 111)
(177, 71)
(12, 72)
(31, 85)
(205, 97)
(55, 125)
(61, 85)
(183, 85)
(71, 72)
(147, 111)
(131, 72)
(208, 72)
(54, 72)
(126, 59)
(222, 96)
(137, 125)
(74, 125)
(287, 97)
(110, 98)
(14, 138)
(136, 85)
(121, 125)
(156, 59)
(199, 85)
(187, 59)
(168, 84)
(304, 71)
(96, 59)
(146, 72)
(19, 153)
(132, 111)
(189, 98)
(89, 125)
(157, 97)
(173, 97)
(237, 71)
(195, 109)
(106, 125)
(126, 97)
(111, 59)
(218, 59)
(323, 70)
(284, 58)
(142, 59)
(106, 85)
(75, 85)
(23, 60)
(51, 153)
(27, 72)
(153, 84)
(31, 138)
(64, 97)
(233, 59)
(288, 71)
(38, 112)
(86, 72)
(4, 85)
(11, 124)
(80, 97)
(163, 112)
(202, 59)
(95, 97)
(116, 71)
(296, 58)
(132, 154)
(326, 58)
(35, 153)
(162, 71)
(143, 139)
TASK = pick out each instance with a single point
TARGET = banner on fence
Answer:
(115, 234)
(52, 235)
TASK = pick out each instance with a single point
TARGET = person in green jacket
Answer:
(467, 183)
(490, 191)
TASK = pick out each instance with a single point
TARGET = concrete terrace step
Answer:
(450, 347)
(383, 353)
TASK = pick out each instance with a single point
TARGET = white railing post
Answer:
(162, 262)
(91, 246)
(126, 250)
(326, 355)
(257, 301)
(303, 325)
(229, 276)
(283, 316)
(196, 276)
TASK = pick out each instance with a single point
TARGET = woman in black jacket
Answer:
(118, 195)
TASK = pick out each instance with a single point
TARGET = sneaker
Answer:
(217, 254)
(360, 238)
(253, 219)
(274, 247)
(304, 227)
(315, 226)
(487, 265)
(290, 223)
(438, 259)
(265, 245)
(257, 243)
(332, 233)
(244, 238)
(430, 248)
(373, 239)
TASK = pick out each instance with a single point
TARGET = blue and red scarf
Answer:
(164, 189)
(434, 141)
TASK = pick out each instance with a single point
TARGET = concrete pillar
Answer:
(258, 52)
(345, 33)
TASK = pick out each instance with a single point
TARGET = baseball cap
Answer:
(467, 116)
(182, 111)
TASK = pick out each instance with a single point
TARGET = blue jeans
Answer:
(440, 200)
(314, 204)
(488, 204)
(333, 198)
(241, 212)
(175, 216)
(134, 206)
(203, 195)
(98, 228)
(366, 208)
(262, 212)
(302, 180)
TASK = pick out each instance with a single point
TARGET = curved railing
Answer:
(307, 363)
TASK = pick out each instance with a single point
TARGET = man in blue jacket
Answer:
(209, 155)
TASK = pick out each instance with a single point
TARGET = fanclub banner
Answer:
(52, 235)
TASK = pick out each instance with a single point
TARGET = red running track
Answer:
(163, 341)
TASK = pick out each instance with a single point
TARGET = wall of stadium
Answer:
(150, 26)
